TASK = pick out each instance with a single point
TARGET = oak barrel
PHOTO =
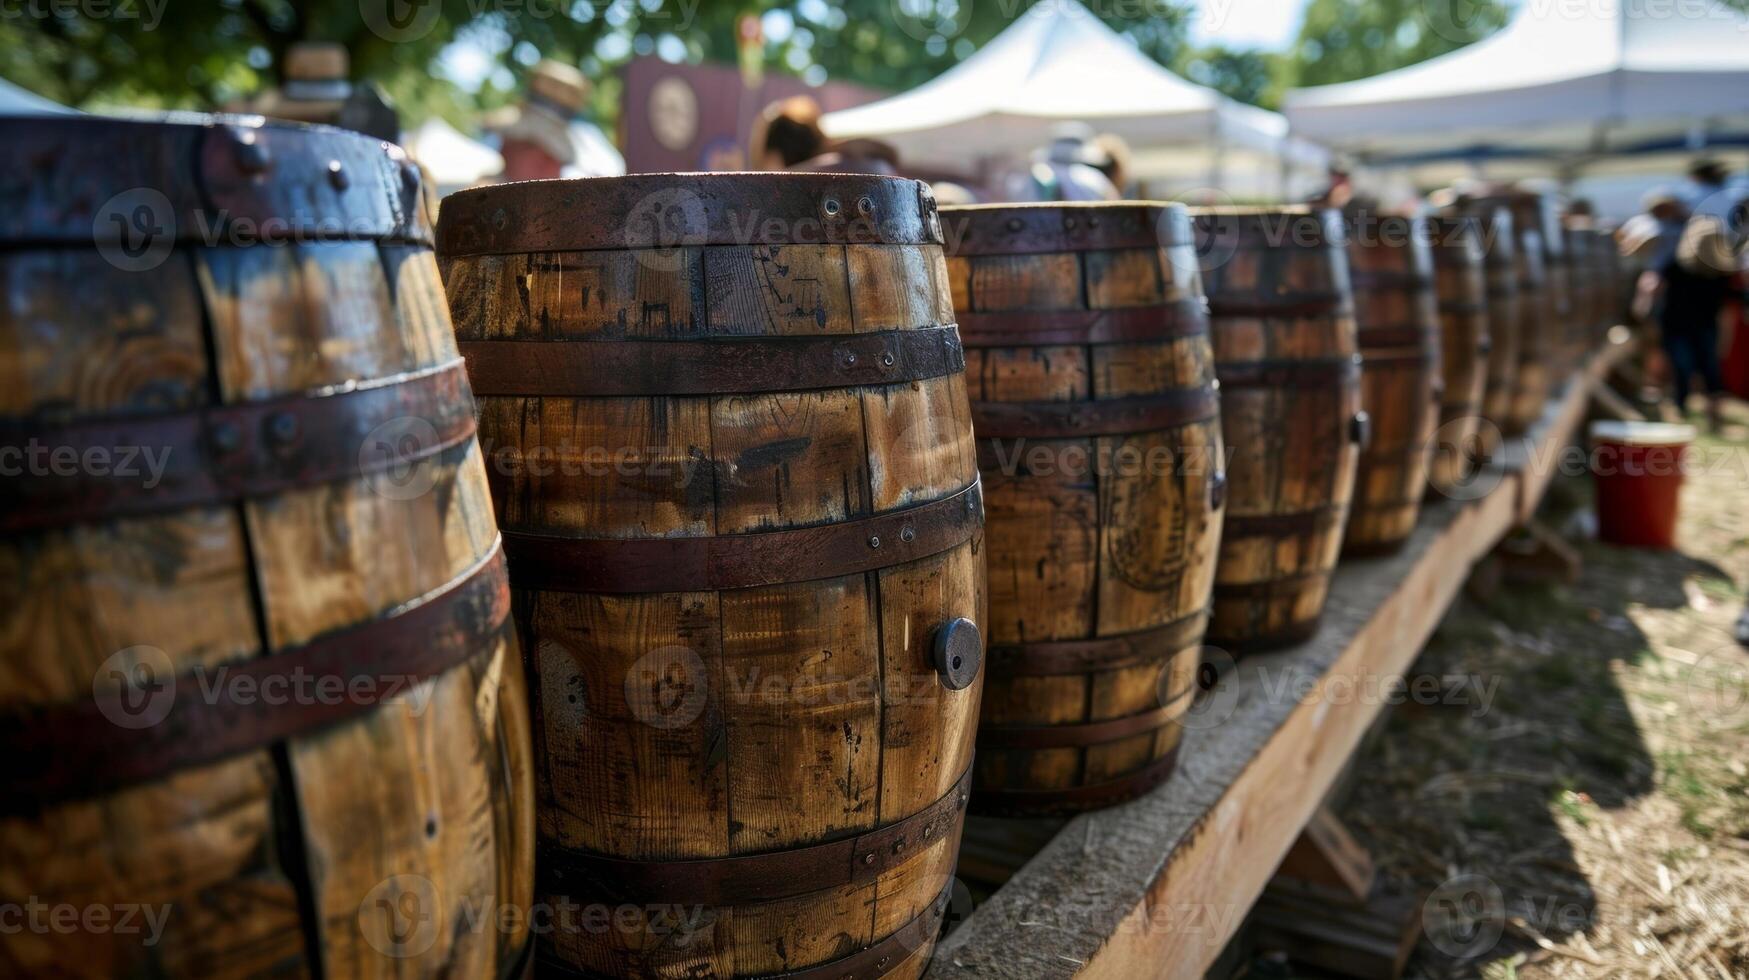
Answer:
(1583, 286)
(1094, 404)
(257, 667)
(1500, 268)
(730, 446)
(1394, 308)
(1462, 287)
(1282, 320)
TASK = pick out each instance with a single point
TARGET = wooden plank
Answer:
(1161, 884)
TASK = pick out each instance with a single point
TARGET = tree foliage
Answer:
(1342, 40)
(205, 53)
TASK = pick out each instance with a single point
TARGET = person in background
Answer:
(1338, 193)
(1116, 167)
(1695, 281)
(317, 88)
(787, 136)
(546, 136)
(1066, 170)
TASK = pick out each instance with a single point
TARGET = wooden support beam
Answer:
(1327, 856)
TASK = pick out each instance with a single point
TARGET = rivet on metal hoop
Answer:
(337, 177)
(865, 205)
(282, 427)
(908, 534)
(874, 541)
(831, 207)
(887, 359)
(226, 437)
(251, 156)
(1014, 224)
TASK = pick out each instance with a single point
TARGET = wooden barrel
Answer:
(1094, 403)
(1463, 329)
(1582, 285)
(1394, 308)
(1500, 267)
(1282, 320)
(1535, 379)
(1606, 299)
(257, 672)
(730, 446)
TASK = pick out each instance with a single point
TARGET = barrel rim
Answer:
(1046, 227)
(664, 211)
(202, 178)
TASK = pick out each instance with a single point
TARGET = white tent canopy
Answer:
(1055, 63)
(16, 100)
(454, 160)
(1565, 77)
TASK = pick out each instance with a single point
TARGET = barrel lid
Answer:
(682, 210)
(1635, 433)
(1075, 226)
(143, 183)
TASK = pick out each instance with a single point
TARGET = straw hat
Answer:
(557, 93)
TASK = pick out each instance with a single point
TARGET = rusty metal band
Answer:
(1046, 658)
(1289, 636)
(1278, 525)
(1032, 229)
(234, 452)
(132, 183)
(1374, 356)
(1003, 801)
(670, 211)
(1283, 585)
(718, 366)
(1334, 304)
(875, 960)
(1288, 374)
(1105, 417)
(554, 563)
(752, 879)
(1083, 734)
(1397, 335)
(1131, 324)
(76, 749)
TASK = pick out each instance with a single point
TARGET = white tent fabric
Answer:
(1055, 63)
(1565, 76)
(453, 160)
(18, 101)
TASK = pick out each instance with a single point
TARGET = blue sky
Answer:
(1266, 24)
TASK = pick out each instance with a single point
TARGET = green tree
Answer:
(1342, 40)
(1256, 77)
(203, 53)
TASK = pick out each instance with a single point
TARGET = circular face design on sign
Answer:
(674, 113)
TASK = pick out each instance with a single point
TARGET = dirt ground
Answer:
(1591, 819)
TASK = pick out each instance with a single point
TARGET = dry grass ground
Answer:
(1591, 819)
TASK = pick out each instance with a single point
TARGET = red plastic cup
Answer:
(1637, 467)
